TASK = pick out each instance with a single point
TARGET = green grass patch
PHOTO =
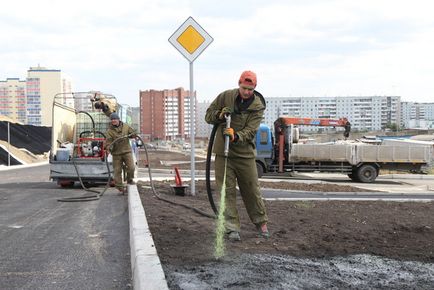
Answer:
(304, 204)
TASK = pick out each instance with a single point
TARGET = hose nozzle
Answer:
(227, 140)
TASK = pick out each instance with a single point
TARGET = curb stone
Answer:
(145, 264)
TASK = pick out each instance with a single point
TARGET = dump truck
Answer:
(80, 121)
(281, 153)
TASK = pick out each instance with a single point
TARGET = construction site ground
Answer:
(313, 244)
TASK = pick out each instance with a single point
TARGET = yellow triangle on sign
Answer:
(190, 39)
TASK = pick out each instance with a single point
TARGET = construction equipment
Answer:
(281, 154)
(323, 122)
(78, 142)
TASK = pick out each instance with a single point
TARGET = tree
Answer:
(392, 126)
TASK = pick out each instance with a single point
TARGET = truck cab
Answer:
(264, 148)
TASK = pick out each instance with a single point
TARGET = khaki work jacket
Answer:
(244, 122)
(121, 146)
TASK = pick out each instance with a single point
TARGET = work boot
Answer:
(263, 230)
(234, 236)
(131, 182)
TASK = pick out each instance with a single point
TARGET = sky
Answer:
(298, 48)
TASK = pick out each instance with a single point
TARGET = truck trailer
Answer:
(281, 153)
(78, 138)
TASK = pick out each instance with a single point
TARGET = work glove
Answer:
(225, 111)
(229, 132)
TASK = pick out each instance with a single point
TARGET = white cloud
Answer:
(298, 48)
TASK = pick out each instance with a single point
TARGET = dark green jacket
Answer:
(121, 146)
(245, 123)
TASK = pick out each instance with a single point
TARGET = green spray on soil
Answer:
(219, 249)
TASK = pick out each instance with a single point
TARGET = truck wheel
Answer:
(260, 170)
(367, 173)
(353, 177)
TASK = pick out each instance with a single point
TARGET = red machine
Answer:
(91, 148)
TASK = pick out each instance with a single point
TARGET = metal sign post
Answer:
(9, 144)
(190, 39)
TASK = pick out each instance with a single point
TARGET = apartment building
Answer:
(13, 99)
(364, 113)
(125, 113)
(135, 118)
(41, 83)
(165, 114)
(203, 128)
(417, 115)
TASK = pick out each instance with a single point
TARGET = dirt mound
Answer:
(35, 139)
(17, 156)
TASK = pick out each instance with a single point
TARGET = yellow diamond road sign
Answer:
(190, 39)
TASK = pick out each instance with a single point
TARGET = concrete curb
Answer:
(12, 167)
(145, 263)
(407, 176)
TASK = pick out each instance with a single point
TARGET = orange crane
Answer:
(283, 127)
(285, 121)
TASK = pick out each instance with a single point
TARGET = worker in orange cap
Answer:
(246, 107)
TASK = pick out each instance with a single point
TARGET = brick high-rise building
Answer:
(165, 115)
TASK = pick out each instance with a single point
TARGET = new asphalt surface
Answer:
(46, 244)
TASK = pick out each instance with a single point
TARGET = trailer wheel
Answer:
(259, 169)
(112, 183)
(367, 173)
(65, 183)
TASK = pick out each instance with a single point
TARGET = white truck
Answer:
(281, 154)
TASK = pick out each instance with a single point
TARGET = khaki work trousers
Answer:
(241, 171)
(118, 163)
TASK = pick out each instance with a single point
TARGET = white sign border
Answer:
(190, 56)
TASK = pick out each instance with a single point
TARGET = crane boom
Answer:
(285, 121)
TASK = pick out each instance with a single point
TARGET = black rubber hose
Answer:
(93, 121)
(94, 132)
(157, 195)
(98, 194)
(208, 169)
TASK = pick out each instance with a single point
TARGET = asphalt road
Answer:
(46, 244)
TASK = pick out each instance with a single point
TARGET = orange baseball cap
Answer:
(248, 78)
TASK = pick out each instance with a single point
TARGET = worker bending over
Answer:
(246, 107)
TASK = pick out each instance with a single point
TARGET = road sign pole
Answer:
(192, 122)
(190, 39)
(9, 144)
